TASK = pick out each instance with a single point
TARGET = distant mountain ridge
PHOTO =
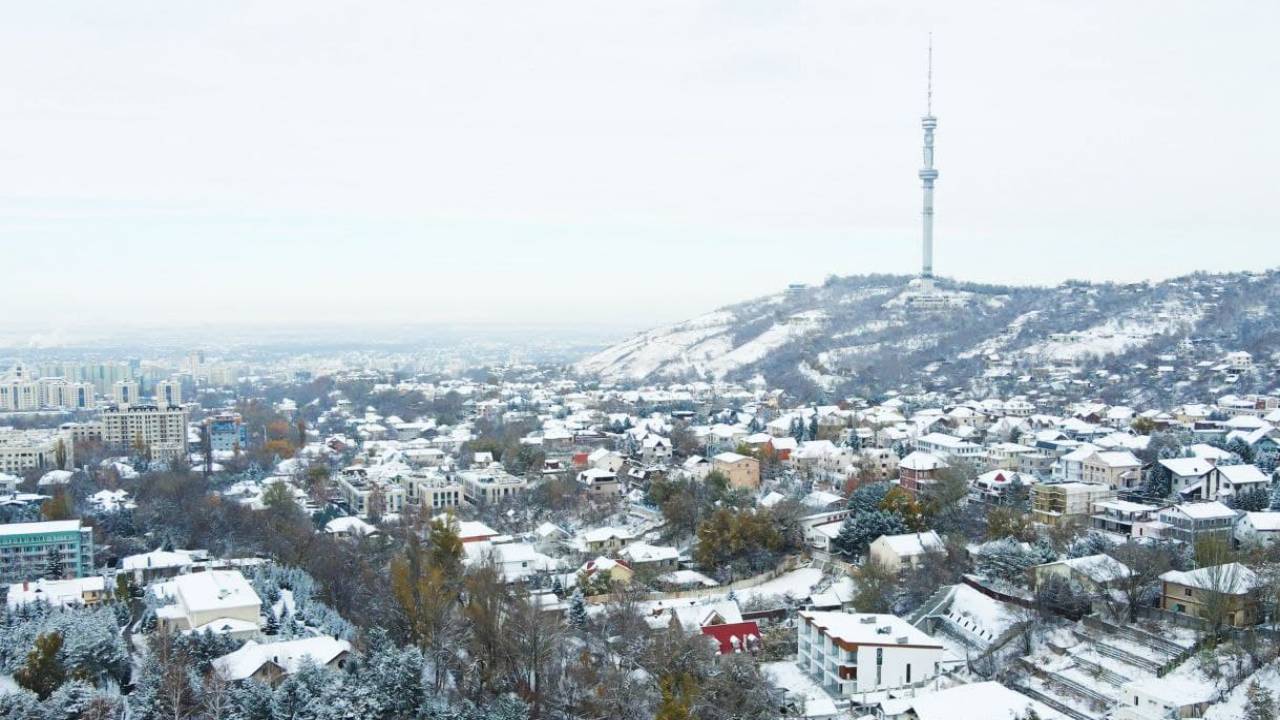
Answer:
(869, 334)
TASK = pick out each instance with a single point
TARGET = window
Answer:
(908, 673)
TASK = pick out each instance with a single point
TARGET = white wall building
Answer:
(161, 430)
(848, 654)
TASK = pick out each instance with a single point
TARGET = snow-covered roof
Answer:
(1188, 467)
(58, 593)
(868, 628)
(643, 552)
(350, 524)
(214, 590)
(911, 544)
(1098, 568)
(288, 655)
(48, 526)
(1243, 474)
(1232, 578)
(1204, 510)
(976, 701)
(920, 460)
(1263, 521)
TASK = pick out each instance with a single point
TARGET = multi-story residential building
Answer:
(743, 471)
(848, 654)
(365, 494)
(66, 395)
(227, 432)
(82, 432)
(490, 485)
(102, 376)
(878, 463)
(949, 447)
(1192, 522)
(1119, 469)
(600, 482)
(26, 549)
(168, 393)
(1061, 503)
(125, 393)
(22, 450)
(1119, 516)
(161, 431)
(1038, 463)
(434, 490)
(919, 471)
(1007, 455)
(1070, 464)
(20, 390)
(1187, 472)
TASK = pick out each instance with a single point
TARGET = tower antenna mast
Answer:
(928, 174)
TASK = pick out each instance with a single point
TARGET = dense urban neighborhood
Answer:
(366, 534)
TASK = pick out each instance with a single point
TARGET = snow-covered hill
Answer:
(872, 333)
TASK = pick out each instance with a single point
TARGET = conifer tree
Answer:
(578, 610)
(43, 672)
(54, 568)
(1260, 703)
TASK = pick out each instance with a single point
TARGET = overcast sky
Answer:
(612, 162)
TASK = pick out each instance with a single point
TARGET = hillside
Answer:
(862, 335)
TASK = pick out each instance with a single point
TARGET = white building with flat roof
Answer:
(852, 653)
(218, 600)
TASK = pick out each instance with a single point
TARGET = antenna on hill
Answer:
(929, 99)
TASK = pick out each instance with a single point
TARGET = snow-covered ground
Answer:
(1232, 707)
(785, 674)
(990, 616)
(776, 336)
(797, 584)
(1117, 334)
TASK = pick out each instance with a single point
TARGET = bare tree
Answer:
(1146, 563)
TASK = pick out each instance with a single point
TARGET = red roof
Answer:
(726, 634)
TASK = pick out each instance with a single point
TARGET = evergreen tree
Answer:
(272, 626)
(1260, 703)
(508, 707)
(861, 529)
(578, 610)
(54, 568)
(43, 672)
(1251, 500)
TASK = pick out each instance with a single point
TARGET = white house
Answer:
(1258, 528)
(217, 600)
(849, 653)
(899, 552)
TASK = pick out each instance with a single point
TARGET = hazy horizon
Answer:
(300, 164)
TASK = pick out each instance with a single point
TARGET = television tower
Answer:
(927, 175)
